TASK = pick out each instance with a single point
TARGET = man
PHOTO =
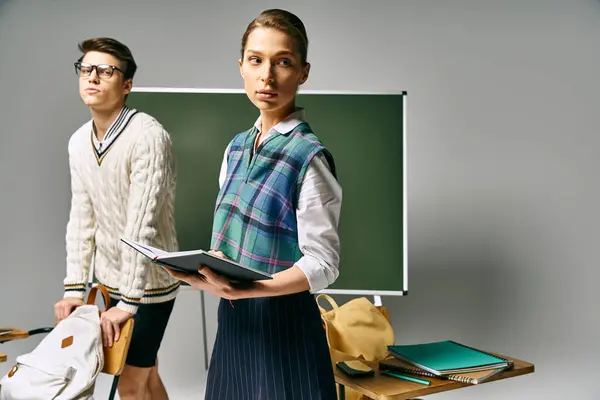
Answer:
(122, 184)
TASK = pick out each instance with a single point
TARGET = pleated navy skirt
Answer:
(271, 348)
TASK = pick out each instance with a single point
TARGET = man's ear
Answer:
(305, 72)
(127, 85)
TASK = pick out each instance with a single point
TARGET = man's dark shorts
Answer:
(150, 323)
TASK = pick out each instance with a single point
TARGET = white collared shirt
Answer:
(318, 213)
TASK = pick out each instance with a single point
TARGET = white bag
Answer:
(64, 365)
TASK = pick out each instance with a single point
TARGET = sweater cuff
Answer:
(76, 290)
(129, 305)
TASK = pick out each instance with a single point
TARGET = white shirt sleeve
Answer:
(318, 215)
(223, 171)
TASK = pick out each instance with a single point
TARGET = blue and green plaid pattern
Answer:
(255, 214)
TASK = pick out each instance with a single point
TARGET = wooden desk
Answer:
(14, 335)
(381, 387)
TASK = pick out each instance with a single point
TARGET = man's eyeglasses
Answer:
(103, 70)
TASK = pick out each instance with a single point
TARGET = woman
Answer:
(277, 211)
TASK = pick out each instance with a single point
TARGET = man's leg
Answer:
(140, 378)
(141, 384)
(156, 389)
(133, 383)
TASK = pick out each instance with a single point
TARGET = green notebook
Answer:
(447, 357)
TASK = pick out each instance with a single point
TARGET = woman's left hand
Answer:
(209, 281)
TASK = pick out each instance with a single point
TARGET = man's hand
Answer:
(65, 307)
(110, 322)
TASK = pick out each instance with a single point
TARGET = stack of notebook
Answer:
(445, 360)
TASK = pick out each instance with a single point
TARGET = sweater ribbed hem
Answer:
(130, 307)
(76, 290)
(151, 296)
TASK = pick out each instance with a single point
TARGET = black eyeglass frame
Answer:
(108, 67)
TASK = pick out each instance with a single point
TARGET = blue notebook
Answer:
(447, 357)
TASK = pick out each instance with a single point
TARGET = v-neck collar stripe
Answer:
(116, 125)
(120, 125)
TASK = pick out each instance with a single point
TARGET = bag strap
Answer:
(329, 299)
(92, 296)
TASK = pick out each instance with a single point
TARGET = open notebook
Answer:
(190, 261)
(447, 357)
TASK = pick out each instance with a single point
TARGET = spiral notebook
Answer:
(447, 357)
(472, 378)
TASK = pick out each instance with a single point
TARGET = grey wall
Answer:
(503, 134)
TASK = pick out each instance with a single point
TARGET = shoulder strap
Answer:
(92, 296)
(329, 299)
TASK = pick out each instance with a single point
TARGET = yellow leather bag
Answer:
(357, 329)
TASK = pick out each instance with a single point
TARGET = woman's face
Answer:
(272, 69)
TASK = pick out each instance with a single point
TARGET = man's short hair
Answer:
(114, 48)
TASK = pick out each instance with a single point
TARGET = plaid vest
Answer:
(255, 214)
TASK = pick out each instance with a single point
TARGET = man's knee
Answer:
(133, 382)
(131, 390)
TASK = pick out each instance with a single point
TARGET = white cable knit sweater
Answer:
(124, 190)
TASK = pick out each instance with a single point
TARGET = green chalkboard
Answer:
(365, 134)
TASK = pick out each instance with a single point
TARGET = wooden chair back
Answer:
(115, 356)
